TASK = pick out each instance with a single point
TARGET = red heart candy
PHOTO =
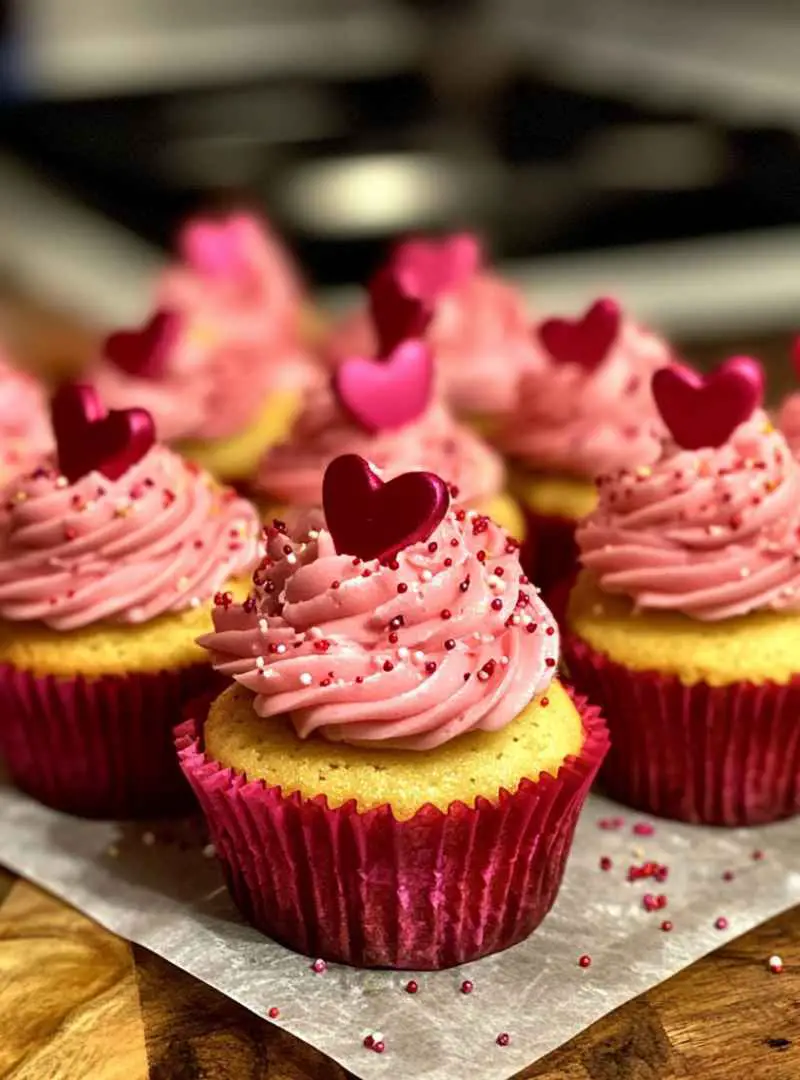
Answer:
(704, 410)
(396, 315)
(90, 438)
(145, 353)
(585, 341)
(385, 394)
(373, 520)
(219, 249)
(427, 269)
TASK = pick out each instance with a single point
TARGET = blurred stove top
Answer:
(342, 164)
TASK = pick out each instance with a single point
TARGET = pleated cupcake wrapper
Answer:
(365, 889)
(727, 755)
(98, 747)
(550, 554)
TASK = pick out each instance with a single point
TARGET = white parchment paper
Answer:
(157, 887)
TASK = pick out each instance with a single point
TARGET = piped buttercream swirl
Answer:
(447, 638)
(713, 533)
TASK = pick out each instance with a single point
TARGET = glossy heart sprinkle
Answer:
(429, 268)
(704, 410)
(145, 352)
(219, 249)
(585, 341)
(89, 438)
(384, 394)
(397, 315)
(374, 520)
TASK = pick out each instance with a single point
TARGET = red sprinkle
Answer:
(666, 926)
(274, 1013)
(446, 613)
(467, 987)
(503, 1039)
(757, 855)
(388, 665)
(369, 1042)
(584, 961)
(544, 702)
(728, 875)
(721, 923)
(497, 604)
(402, 587)
(379, 1047)
(610, 824)
(319, 966)
(412, 986)
(643, 828)
(449, 644)
(605, 862)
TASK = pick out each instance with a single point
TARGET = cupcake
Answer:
(479, 333)
(684, 623)
(585, 409)
(221, 365)
(24, 426)
(384, 409)
(110, 552)
(394, 777)
(789, 413)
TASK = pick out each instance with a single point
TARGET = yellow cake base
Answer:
(479, 763)
(237, 457)
(108, 649)
(759, 647)
(551, 495)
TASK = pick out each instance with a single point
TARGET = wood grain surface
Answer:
(78, 1003)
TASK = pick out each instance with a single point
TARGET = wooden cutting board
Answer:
(78, 1003)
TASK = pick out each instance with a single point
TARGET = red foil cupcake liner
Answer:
(550, 555)
(101, 747)
(365, 889)
(713, 755)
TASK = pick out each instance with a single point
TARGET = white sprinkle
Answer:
(291, 558)
(280, 649)
(314, 632)
(209, 851)
(497, 584)
(775, 964)
(194, 601)
(503, 661)
(515, 620)
(313, 534)
(62, 482)
(260, 662)
(402, 653)
(482, 676)
(527, 619)
(472, 514)
(419, 656)
(148, 838)
(263, 626)
(306, 679)
(426, 575)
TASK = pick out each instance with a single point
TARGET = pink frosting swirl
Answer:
(582, 422)
(480, 339)
(241, 342)
(292, 472)
(451, 640)
(162, 538)
(712, 533)
(25, 433)
(789, 422)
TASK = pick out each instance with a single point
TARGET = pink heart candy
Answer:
(585, 341)
(90, 438)
(386, 394)
(705, 410)
(374, 520)
(145, 352)
(219, 249)
(427, 269)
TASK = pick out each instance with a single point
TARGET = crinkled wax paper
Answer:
(156, 886)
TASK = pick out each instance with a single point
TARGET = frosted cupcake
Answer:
(24, 425)
(384, 409)
(222, 365)
(586, 409)
(394, 730)
(684, 625)
(479, 325)
(110, 553)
